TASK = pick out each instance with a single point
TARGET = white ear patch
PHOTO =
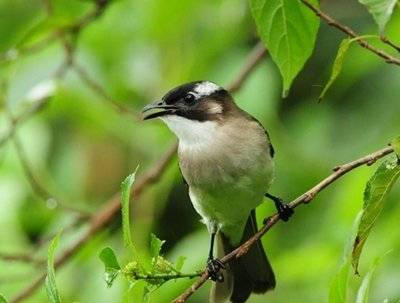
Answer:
(214, 108)
(206, 88)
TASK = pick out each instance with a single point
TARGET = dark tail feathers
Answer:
(251, 273)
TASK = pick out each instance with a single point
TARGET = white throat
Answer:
(191, 132)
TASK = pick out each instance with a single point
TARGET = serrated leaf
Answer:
(381, 11)
(50, 283)
(155, 245)
(375, 193)
(180, 262)
(340, 283)
(363, 291)
(337, 65)
(111, 265)
(289, 29)
(125, 200)
(2, 299)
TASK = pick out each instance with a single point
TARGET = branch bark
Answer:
(305, 198)
(350, 32)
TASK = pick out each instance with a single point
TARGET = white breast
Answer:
(191, 133)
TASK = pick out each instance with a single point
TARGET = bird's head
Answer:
(198, 101)
(193, 111)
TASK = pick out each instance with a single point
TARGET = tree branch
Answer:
(38, 189)
(99, 90)
(255, 56)
(22, 257)
(112, 207)
(390, 43)
(350, 32)
(271, 221)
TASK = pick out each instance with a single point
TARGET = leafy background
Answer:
(80, 147)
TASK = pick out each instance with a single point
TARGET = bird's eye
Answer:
(189, 99)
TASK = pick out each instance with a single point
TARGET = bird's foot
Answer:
(213, 268)
(284, 210)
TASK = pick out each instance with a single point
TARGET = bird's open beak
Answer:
(157, 109)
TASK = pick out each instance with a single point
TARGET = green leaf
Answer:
(288, 29)
(375, 193)
(337, 65)
(109, 259)
(381, 11)
(111, 265)
(363, 291)
(50, 283)
(340, 283)
(2, 299)
(155, 245)
(125, 199)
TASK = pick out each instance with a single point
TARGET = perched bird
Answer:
(226, 158)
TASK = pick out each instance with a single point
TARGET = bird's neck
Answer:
(192, 133)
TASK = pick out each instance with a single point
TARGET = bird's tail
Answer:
(252, 272)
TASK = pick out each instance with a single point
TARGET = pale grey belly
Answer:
(224, 200)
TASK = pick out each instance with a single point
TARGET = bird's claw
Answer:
(213, 268)
(284, 210)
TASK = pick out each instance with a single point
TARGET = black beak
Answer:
(157, 109)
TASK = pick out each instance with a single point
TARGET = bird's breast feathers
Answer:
(227, 166)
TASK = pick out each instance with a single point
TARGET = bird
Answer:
(226, 159)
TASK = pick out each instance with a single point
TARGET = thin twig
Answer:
(165, 277)
(255, 56)
(271, 221)
(76, 222)
(347, 30)
(40, 191)
(99, 90)
(390, 43)
(22, 117)
(9, 278)
(112, 207)
(22, 257)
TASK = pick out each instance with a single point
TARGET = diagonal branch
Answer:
(305, 198)
(38, 189)
(22, 257)
(254, 58)
(349, 31)
(99, 90)
(390, 43)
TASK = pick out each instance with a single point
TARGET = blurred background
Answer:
(71, 131)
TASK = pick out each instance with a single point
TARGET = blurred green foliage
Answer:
(80, 148)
